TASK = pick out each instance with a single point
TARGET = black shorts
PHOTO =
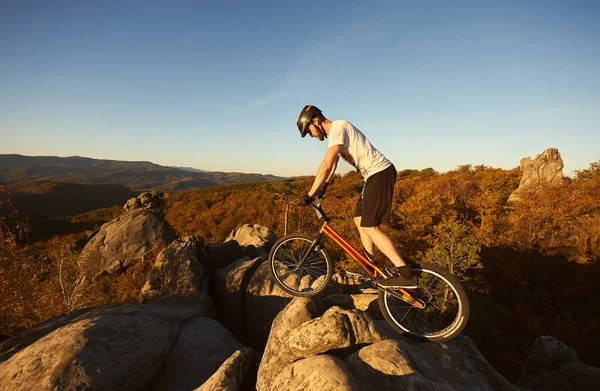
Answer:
(375, 201)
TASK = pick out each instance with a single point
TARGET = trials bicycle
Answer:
(437, 310)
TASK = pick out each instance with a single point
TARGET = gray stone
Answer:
(125, 241)
(178, 276)
(202, 346)
(229, 292)
(231, 376)
(545, 168)
(298, 332)
(323, 373)
(264, 300)
(411, 365)
(218, 255)
(118, 346)
(255, 239)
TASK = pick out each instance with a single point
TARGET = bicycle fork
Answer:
(312, 248)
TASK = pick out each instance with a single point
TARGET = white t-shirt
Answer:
(357, 150)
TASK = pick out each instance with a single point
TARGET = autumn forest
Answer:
(531, 267)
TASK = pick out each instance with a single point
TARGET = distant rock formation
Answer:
(545, 168)
(146, 200)
(124, 241)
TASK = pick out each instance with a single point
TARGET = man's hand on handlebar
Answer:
(305, 200)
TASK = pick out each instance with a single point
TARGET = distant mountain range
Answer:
(137, 176)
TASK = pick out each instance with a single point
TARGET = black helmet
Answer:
(306, 115)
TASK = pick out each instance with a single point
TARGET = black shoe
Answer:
(398, 282)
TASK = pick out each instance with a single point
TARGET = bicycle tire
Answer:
(442, 293)
(312, 278)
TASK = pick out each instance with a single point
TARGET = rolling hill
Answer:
(137, 176)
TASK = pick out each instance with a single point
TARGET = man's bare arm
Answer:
(326, 169)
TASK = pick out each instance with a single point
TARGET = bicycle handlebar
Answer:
(317, 205)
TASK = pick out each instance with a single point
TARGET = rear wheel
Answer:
(446, 308)
(308, 279)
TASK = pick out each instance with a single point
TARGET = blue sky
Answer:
(219, 85)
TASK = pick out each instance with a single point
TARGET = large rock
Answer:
(146, 200)
(323, 373)
(231, 376)
(218, 255)
(229, 293)
(202, 346)
(256, 240)
(178, 276)
(409, 365)
(545, 168)
(122, 347)
(299, 332)
(264, 300)
(114, 347)
(125, 241)
(552, 365)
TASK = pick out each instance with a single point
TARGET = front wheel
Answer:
(446, 309)
(307, 279)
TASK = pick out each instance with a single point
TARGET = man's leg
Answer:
(377, 236)
(365, 239)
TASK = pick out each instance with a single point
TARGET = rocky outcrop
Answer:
(124, 241)
(264, 300)
(552, 365)
(255, 239)
(178, 276)
(230, 376)
(545, 168)
(229, 294)
(402, 364)
(350, 350)
(147, 200)
(79, 351)
(202, 346)
(323, 372)
(300, 331)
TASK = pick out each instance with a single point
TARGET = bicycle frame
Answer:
(371, 268)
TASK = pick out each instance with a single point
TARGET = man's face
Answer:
(314, 132)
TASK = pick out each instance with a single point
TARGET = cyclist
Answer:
(375, 202)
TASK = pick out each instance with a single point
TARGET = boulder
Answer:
(545, 168)
(231, 376)
(323, 373)
(219, 255)
(178, 276)
(118, 346)
(125, 241)
(299, 332)
(146, 200)
(256, 240)
(402, 363)
(552, 365)
(264, 300)
(229, 294)
(202, 346)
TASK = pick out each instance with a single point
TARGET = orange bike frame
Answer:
(370, 267)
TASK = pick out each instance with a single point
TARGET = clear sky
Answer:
(218, 85)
